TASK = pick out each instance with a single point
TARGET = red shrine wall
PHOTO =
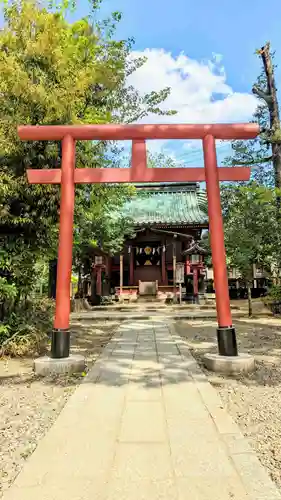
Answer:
(152, 273)
(160, 269)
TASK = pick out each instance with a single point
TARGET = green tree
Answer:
(252, 233)
(56, 72)
(99, 223)
(160, 160)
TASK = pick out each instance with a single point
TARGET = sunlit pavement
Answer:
(144, 425)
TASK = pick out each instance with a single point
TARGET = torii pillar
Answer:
(68, 175)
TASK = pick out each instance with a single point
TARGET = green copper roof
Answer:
(173, 205)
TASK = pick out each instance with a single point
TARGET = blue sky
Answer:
(231, 28)
(199, 30)
(204, 50)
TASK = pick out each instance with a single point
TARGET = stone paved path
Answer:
(145, 425)
(150, 315)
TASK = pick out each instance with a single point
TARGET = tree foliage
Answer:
(252, 230)
(160, 160)
(56, 72)
(251, 233)
(99, 223)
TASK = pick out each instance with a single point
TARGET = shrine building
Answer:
(164, 253)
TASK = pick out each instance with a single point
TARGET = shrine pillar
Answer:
(61, 333)
(163, 265)
(187, 265)
(174, 269)
(195, 283)
(107, 266)
(121, 274)
(98, 281)
(226, 333)
(106, 285)
(131, 278)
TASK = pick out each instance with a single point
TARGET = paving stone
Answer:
(141, 365)
(255, 478)
(74, 490)
(143, 422)
(200, 457)
(144, 489)
(124, 352)
(169, 349)
(183, 430)
(142, 472)
(209, 488)
(237, 443)
(149, 355)
(224, 422)
(152, 461)
(147, 389)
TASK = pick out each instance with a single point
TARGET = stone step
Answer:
(149, 299)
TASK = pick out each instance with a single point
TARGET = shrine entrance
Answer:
(68, 175)
(147, 266)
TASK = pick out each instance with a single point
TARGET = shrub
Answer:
(26, 332)
(273, 299)
(275, 293)
(7, 291)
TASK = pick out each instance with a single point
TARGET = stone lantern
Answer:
(195, 269)
(99, 265)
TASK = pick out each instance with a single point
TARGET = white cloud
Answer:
(199, 93)
(194, 88)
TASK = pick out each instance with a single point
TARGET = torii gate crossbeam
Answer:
(67, 176)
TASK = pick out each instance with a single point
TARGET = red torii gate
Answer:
(68, 176)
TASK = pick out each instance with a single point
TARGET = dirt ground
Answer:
(29, 405)
(253, 400)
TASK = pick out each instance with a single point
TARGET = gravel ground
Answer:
(253, 400)
(29, 405)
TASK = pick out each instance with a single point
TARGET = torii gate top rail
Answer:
(138, 134)
(131, 132)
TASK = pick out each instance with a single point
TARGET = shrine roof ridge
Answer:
(167, 186)
(178, 207)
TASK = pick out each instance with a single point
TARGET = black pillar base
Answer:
(60, 343)
(227, 341)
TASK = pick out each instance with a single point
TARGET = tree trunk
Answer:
(79, 284)
(276, 160)
(93, 287)
(269, 95)
(174, 271)
(250, 303)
